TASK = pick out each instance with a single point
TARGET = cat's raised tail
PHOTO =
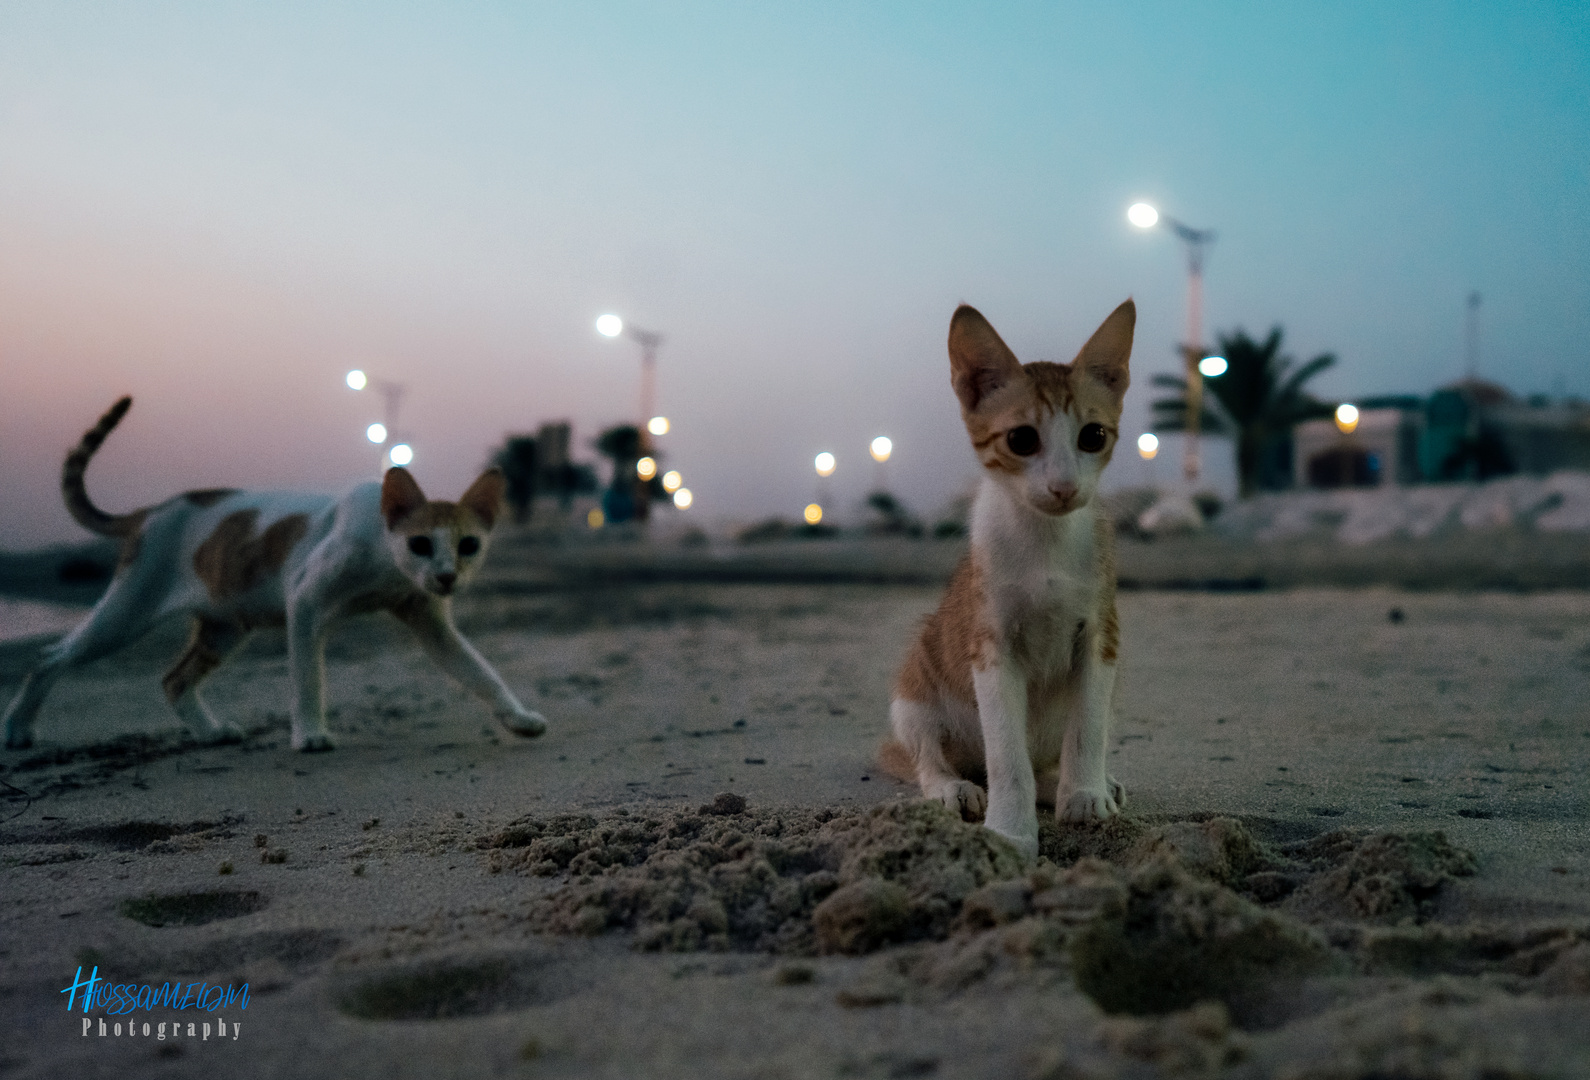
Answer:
(78, 503)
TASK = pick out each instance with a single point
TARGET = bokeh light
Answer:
(881, 448)
(609, 326)
(683, 498)
(646, 468)
(401, 454)
(1212, 367)
(813, 513)
(1142, 215)
(672, 480)
(657, 425)
(376, 433)
(1346, 418)
(595, 519)
(356, 380)
(825, 464)
(1148, 445)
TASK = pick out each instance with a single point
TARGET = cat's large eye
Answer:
(469, 545)
(421, 546)
(1023, 441)
(1090, 440)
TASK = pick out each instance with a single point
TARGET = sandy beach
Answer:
(1355, 844)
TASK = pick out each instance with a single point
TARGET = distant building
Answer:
(1383, 448)
(1541, 436)
(1471, 430)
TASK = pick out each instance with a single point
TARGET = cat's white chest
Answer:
(1044, 595)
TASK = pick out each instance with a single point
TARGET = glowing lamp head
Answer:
(401, 454)
(376, 433)
(609, 326)
(683, 498)
(825, 464)
(1142, 215)
(1346, 418)
(657, 425)
(1212, 367)
(672, 480)
(595, 519)
(646, 468)
(1148, 445)
(881, 448)
(356, 380)
(813, 513)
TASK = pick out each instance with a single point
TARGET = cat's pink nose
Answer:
(1063, 492)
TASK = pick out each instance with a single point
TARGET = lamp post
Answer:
(385, 435)
(1144, 216)
(649, 342)
(824, 464)
(648, 423)
(880, 449)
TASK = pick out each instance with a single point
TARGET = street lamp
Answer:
(612, 326)
(383, 434)
(1145, 216)
(824, 464)
(880, 449)
(647, 424)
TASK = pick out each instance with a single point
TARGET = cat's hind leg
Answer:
(122, 616)
(209, 644)
(921, 729)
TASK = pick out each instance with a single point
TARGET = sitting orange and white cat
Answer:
(1013, 677)
(235, 560)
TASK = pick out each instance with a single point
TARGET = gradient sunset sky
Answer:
(222, 207)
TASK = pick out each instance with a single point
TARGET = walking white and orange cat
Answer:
(235, 560)
(1012, 679)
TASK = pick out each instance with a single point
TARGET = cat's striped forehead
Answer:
(1047, 390)
(431, 516)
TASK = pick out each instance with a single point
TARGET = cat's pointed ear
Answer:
(400, 496)
(980, 362)
(1105, 356)
(484, 496)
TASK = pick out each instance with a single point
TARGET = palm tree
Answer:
(1256, 401)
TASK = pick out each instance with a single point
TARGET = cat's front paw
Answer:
(313, 742)
(964, 798)
(1025, 843)
(526, 722)
(1117, 792)
(1087, 804)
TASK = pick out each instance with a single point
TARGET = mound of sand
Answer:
(1145, 917)
(793, 881)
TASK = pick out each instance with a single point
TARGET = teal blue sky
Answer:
(221, 207)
